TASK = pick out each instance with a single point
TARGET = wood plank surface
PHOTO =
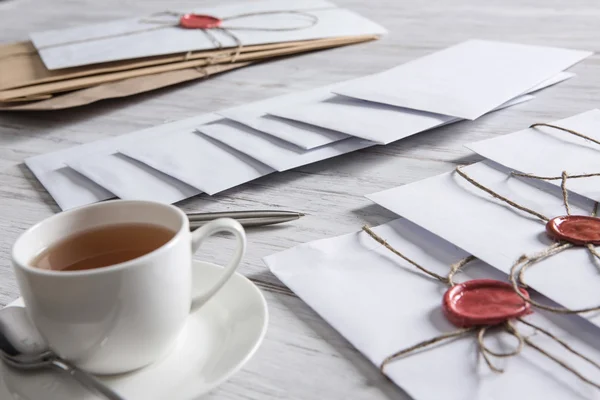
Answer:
(302, 357)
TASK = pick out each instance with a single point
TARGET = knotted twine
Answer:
(516, 279)
(312, 20)
(524, 262)
(481, 331)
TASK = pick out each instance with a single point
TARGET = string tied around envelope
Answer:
(560, 128)
(480, 331)
(525, 262)
(553, 227)
(206, 24)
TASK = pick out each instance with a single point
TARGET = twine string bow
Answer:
(162, 23)
(516, 278)
(481, 331)
(518, 269)
(311, 20)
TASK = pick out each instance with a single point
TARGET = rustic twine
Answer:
(524, 262)
(448, 280)
(564, 176)
(313, 20)
(498, 196)
(457, 266)
(560, 128)
(516, 278)
(161, 24)
(385, 244)
(559, 341)
(518, 269)
(485, 351)
(450, 335)
(553, 178)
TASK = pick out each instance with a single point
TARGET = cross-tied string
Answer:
(173, 18)
(517, 271)
(311, 20)
(481, 331)
(154, 19)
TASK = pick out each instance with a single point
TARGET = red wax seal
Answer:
(576, 229)
(483, 302)
(199, 21)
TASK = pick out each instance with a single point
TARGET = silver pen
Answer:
(246, 218)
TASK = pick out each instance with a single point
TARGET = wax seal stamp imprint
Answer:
(579, 230)
(199, 21)
(481, 302)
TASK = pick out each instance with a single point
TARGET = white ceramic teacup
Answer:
(125, 316)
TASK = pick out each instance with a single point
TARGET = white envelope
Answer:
(466, 80)
(198, 161)
(546, 151)
(132, 180)
(67, 187)
(71, 189)
(302, 135)
(453, 209)
(274, 152)
(280, 154)
(380, 123)
(145, 36)
(382, 304)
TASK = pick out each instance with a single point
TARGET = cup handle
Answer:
(209, 229)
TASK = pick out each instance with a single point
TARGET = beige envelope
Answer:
(122, 88)
(88, 89)
(20, 64)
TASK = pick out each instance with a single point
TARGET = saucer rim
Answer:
(260, 337)
(251, 351)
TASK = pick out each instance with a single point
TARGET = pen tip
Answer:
(301, 215)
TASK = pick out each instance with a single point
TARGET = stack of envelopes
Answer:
(217, 151)
(382, 304)
(75, 66)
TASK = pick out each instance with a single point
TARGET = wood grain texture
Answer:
(302, 357)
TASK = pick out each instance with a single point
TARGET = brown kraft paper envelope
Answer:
(20, 64)
(140, 84)
(122, 88)
(83, 82)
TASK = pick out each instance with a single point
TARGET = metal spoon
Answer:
(22, 347)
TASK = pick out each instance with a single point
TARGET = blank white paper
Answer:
(280, 154)
(453, 209)
(380, 123)
(545, 151)
(200, 162)
(67, 187)
(466, 80)
(130, 179)
(382, 304)
(274, 152)
(70, 188)
(254, 115)
(148, 35)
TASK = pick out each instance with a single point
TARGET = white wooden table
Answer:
(302, 357)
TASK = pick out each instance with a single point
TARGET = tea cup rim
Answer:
(20, 262)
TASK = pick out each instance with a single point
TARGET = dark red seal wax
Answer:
(199, 21)
(483, 302)
(576, 229)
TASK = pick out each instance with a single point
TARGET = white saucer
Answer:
(217, 341)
